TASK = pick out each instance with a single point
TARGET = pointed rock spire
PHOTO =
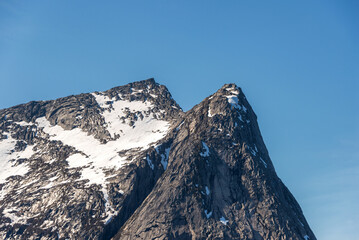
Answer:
(220, 182)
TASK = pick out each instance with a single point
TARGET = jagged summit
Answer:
(232, 95)
(127, 163)
(140, 91)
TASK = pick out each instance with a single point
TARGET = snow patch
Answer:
(240, 118)
(306, 237)
(223, 220)
(233, 100)
(96, 157)
(179, 126)
(150, 163)
(207, 190)
(12, 213)
(7, 153)
(108, 219)
(208, 214)
(51, 184)
(27, 184)
(135, 91)
(141, 128)
(209, 112)
(233, 90)
(264, 163)
(24, 124)
(254, 153)
(206, 150)
(244, 108)
(164, 158)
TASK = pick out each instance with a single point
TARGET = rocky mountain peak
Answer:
(146, 91)
(228, 99)
(223, 183)
(127, 163)
(225, 115)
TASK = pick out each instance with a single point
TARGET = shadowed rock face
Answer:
(127, 163)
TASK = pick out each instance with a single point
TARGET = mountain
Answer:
(128, 163)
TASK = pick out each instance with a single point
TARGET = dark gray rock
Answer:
(220, 182)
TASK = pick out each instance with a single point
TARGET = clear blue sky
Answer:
(297, 62)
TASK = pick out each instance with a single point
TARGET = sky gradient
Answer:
(296, 61)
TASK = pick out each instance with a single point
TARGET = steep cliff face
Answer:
(127, 163)
(220, 182)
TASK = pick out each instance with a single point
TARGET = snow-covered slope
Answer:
(79, 154)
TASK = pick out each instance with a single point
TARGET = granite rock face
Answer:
(127, 163)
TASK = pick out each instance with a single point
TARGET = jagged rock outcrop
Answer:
(127, 163)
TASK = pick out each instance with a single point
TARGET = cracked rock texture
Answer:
(128, 163)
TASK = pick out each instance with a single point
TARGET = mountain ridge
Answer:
(115, 153)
